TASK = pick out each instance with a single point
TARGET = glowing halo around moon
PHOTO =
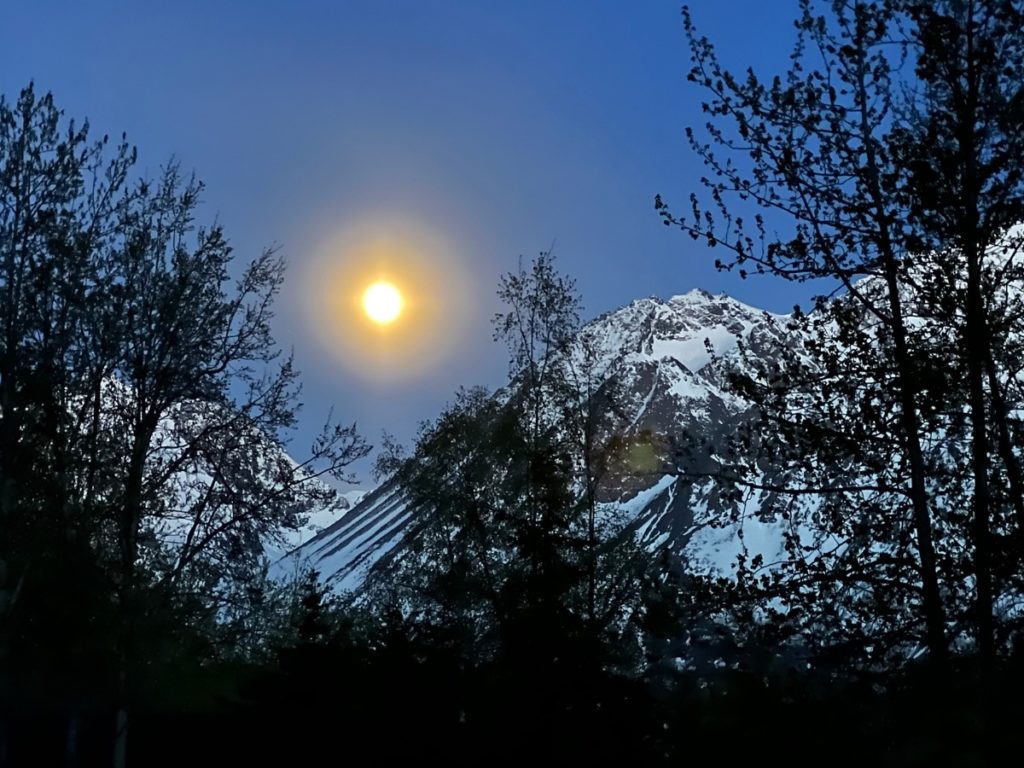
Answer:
(387, 299)
(382, 302)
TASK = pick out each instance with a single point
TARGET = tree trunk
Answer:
(129, 527)
(907, 381)
(121, 738)
(71, 741)
(1005, 443)
(975, 343)
(977, 346)
(935, 631)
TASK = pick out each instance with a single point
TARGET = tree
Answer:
(961, 141)
(892, 145)
(816, 145)
(59, 196)
(143, 402)
(508, 545)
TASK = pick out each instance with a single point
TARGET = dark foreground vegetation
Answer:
(346, 703)
(144, 410)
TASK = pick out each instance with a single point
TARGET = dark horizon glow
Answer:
(470, 132)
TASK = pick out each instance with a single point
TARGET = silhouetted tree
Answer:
(961, 140)
(143, 402)
(815, 140)
(508, 545)
(890, 148)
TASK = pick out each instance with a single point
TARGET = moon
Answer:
(382, 302)
(409, 327)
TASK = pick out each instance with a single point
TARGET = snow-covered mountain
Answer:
(657, 367)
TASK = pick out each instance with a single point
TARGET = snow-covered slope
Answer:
(658, 365)
(317, 522)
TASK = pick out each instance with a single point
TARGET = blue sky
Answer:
(499, 128)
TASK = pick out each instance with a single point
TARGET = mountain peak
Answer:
(661, 358)
(693, 296)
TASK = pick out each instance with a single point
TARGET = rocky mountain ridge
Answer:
(664, 360)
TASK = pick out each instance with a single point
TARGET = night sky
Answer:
(481, 130)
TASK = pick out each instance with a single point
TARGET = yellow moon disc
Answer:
(382, 302)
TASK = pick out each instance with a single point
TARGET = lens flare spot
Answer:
(382, 302)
